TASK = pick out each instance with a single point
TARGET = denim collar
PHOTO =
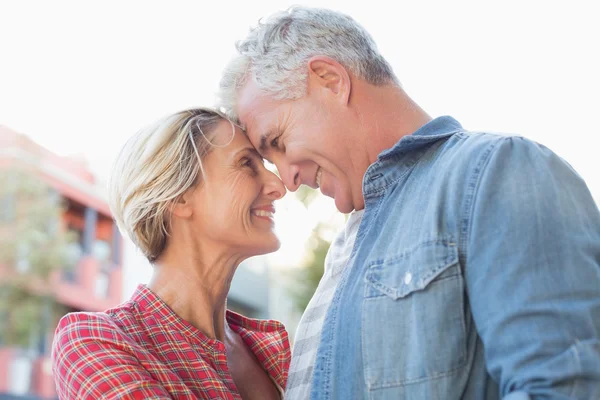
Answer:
(432, 131)
(396, 161)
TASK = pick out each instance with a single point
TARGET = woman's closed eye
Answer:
(253, 160)
(247, 162)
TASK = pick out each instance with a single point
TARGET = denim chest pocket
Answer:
(413, 322)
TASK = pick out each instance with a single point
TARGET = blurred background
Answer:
(78, 78)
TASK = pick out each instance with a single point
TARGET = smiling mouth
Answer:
(262, 214)
(265, 212)
(318, 178)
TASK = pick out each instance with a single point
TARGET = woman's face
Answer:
(233, 206)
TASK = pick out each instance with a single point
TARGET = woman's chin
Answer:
(269, 245)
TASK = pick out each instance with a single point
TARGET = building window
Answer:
(54, 198)
(101, 252)
(22, 265)
(7, 208)
(73, 254)
(20, 374)
(102, 284)
(89, 231)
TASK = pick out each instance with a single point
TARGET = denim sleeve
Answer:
(532, 273)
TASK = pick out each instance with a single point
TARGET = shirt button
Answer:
(407, 278)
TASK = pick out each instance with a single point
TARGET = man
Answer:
(469, 268)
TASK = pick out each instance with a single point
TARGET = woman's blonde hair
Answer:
(154, 168)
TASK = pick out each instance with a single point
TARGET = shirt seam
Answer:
(472, 195)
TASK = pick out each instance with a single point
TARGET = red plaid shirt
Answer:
(143, 350)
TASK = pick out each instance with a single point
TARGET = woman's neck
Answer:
(195, 286)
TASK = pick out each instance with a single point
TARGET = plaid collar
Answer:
(267, 339)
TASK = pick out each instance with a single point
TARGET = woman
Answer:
(195, 197)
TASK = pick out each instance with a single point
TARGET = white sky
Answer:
(80, 77)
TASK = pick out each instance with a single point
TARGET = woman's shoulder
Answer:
(97, 352)
(111, 326)
(85, 328)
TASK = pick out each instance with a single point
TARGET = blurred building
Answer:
(95, 281)
(249, 290)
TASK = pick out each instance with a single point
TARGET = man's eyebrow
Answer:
(266, 138)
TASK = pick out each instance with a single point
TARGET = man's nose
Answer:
(290, 175)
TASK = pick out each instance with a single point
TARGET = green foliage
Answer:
(32, 247)
(306, 279)
(23, 316)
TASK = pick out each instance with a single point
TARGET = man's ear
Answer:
(326, 73)
(182, 207)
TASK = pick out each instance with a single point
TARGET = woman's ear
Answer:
(182, 207)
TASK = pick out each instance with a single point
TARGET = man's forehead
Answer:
(252, 117)
(253, 131)
(259, 115)
(254, 105)
(249, 101)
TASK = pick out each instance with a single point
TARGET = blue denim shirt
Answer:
(475, 275)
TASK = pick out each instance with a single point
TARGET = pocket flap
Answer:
(414, 269)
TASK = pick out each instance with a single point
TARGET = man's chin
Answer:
(343, 205)
(343, 202)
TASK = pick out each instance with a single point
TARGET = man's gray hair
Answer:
(275, 53)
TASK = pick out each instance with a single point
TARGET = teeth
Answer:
(319, 177)
(263, 213)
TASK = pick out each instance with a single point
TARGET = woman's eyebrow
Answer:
(247, 150)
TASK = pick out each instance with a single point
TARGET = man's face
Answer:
(305, 139)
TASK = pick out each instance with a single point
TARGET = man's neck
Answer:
(386, 115)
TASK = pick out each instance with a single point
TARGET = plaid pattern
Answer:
(143, 350)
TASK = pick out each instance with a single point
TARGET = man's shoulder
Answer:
(509, 151)
(472, 150)
(478, 143)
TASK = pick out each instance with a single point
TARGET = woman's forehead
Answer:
(229, 141)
